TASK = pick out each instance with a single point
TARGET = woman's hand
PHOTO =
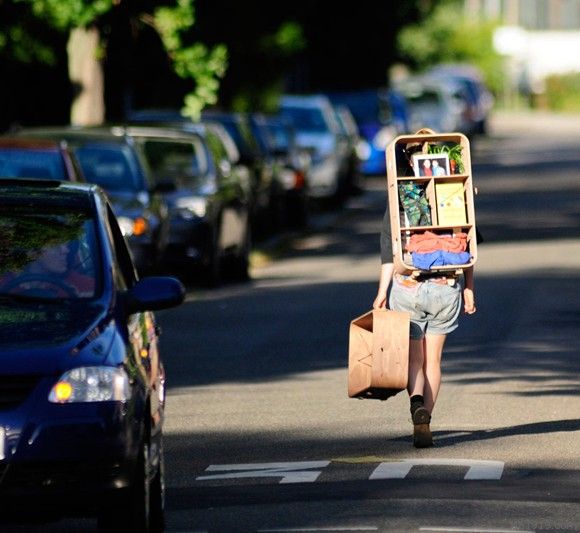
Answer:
(380, 301)
(468, 301)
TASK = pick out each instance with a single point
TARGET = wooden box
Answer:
(378, 358)
(447, 203)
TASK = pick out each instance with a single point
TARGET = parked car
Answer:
(115, 163)
(318, 130)
(436, 103)
(38, 158)
(290, 167)
(81, 413)
(209, 209)
(381, 115)
(257, 160)
(350, 132)
(480, 100)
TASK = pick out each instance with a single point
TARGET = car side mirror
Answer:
(154, 293)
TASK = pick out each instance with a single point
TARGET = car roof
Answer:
(32, 143)
(166, 132)
(73, 133)
(47, 193)
(308, 100)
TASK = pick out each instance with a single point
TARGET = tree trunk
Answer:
(86, 75)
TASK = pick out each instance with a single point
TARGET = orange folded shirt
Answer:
(428, 242)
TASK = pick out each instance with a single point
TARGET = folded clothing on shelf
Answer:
(429, 241)
(425, 261)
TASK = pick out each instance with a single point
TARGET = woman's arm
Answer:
(384, 282)
(468, 294)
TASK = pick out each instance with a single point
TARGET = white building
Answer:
(538, 37)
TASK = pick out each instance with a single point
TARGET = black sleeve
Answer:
(386, 242)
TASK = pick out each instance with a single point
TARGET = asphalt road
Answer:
(260, 433)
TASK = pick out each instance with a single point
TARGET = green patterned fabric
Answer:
(415, 203)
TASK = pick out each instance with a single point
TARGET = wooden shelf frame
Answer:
(399, 232)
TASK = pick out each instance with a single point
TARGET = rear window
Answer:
(110, 166)
(310, 120)
(176, 161)
(18, 163)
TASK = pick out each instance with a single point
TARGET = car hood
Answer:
(50, 338)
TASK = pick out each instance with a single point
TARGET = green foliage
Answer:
(26, 48)
(454, 151)
(563, 92)
(197, 62)
(286, 41)
(205, 66)
(447, 35)
(67, 14)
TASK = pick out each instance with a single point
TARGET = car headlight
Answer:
(130, 226)
(91, 384)
(195, 204)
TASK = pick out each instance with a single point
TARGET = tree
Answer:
(84, 21)
(447, 35)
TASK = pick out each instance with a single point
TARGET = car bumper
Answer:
(72, 453)
(190, 241)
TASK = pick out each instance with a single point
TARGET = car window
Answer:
(308, 119)
(109, 166)
(175, 160)
(425, 97)
(18, 163)
(125, 274)
(216, 147)
(50, 255)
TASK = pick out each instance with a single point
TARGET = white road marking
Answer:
(294, 472)
(339, 528)
(474, 530)
(477, 469)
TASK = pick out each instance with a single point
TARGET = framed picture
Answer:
(431, 165)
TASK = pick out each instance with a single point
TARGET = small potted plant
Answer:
(454, 153)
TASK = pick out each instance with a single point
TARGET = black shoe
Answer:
(422, 437)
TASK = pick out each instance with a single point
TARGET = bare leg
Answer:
(416, 382)
(432, 369)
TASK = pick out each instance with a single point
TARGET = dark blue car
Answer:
(81, 378)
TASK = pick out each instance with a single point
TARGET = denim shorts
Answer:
(434, 307)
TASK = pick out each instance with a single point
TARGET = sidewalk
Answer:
(540, 122)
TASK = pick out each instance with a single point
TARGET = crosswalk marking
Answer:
(294, 472)
(478, 469)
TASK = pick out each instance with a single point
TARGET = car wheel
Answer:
(240, 263)
(297, 212)
(212, 270)
(140, 508)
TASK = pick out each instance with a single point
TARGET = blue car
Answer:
(381, 115)
(82, 380)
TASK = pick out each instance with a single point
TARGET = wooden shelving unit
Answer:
(460, 219)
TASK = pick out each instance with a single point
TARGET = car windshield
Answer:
(48, 256)
(426, 97)
(306, 119)
(110, 166)
(19, 163)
